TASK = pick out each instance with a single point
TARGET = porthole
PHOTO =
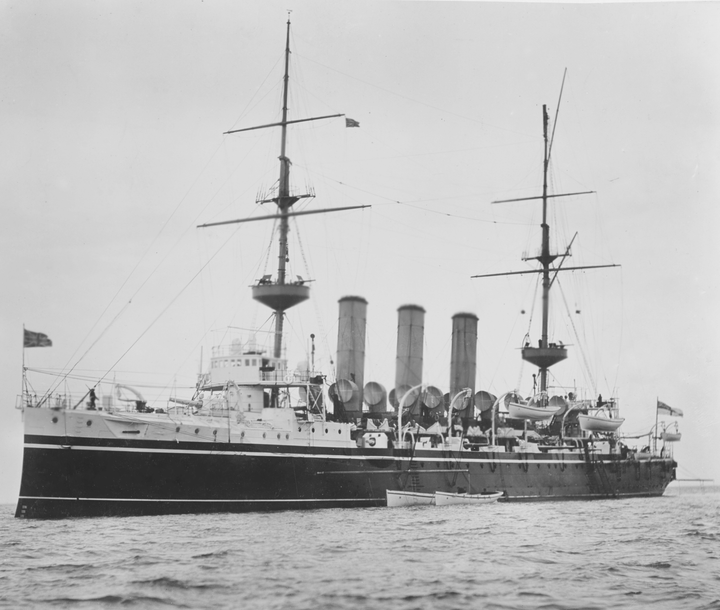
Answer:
(264, 435)
(278, 436)
(313, 430)
(177, 429)
(326, 430)
(287, 437)
(339, 431)
(89, 423)
(242, 434)
(54, 420)
(214, 432)
(299, 429)
(197, 430)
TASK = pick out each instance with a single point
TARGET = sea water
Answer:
(654, 552)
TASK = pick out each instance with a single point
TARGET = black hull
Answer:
(65, 477)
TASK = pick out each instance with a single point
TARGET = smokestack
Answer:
(351, 348)
(409, 359)
(463, 359)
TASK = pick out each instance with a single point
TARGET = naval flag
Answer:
(351, 123)
(31, 339)
(664, 409)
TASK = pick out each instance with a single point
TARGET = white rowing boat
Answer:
(671, 437)
(443, 498)
(535, 413)
(593, 423)
(408, 498)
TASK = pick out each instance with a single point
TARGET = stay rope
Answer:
(586, 365)
(172, 301)
(532, 314)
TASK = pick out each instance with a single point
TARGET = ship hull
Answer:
(85, 477)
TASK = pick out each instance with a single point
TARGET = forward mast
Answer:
(281, 294)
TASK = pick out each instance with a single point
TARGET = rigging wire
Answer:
(406, 156)
(300, 247)
(587, 369)
(144, 255)
(267, 76)
(150, 246)
(421, 103)
(532, 314)
(268, 253)
(409, 203)
(557, 112)
(172, 301)
(622, 320)
(127, 279)
(78, 377)
(318, 317)
(270, 334)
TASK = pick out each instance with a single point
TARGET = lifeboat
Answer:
(594, 423)
(518, 411)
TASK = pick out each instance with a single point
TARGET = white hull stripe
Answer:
(255, 501)
(387, 458)
(576, 495)
(301, 500)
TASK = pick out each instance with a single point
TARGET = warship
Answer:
(256, 434)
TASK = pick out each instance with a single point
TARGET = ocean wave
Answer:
(662, 565)
(212, 554)
(620, 554)
(173, 583)
(139, 601)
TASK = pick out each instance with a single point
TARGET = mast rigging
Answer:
(280, 294)
(546, 354)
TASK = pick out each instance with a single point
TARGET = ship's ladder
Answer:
(455, 467)
(414, 478)
(605, 483)
(598, 477)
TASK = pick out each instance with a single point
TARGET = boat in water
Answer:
(450, 499)
(396, 498)
(256, 434)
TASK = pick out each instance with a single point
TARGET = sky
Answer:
(113, 113)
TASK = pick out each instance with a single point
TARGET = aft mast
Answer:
(546, 354)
